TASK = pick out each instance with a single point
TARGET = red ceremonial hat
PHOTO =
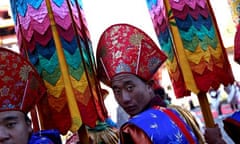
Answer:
(20, 85)
(123, 48)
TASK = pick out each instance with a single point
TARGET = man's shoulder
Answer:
(151, 115)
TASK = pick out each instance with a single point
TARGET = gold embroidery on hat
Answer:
(24, 71)
(136, 39)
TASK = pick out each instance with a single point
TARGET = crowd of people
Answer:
(127, 58)
(228, 95)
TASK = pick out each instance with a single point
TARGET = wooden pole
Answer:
(72, 104)
(83, 135)
(206, 111)
(82, 132)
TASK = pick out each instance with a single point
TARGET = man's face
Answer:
(14, 128)
(131, 93)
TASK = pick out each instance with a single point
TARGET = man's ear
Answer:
(28, 120)
(150, 87)
(29, 124)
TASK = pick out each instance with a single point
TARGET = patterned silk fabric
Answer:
(188, 34)
(21, 88)
(164, 125)
(58, 44)
(124, 48)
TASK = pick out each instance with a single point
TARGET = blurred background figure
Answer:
(233, 95)
(160, 91)
(218, 99)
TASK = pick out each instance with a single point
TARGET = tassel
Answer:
(103, 133)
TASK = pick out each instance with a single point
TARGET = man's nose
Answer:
(125, 96)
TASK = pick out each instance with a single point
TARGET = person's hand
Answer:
(214, 136)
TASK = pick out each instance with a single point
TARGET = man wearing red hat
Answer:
(20, 90)
(127, 59)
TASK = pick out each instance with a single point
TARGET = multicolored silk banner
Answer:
(187, 32)
(56, 41)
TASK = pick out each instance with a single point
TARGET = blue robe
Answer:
(157, 125)
(45, 137)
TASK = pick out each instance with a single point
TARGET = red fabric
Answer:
(237, 45)
(225, 74)
(54, 119)
(180, 89)
(124, 48)
(20, 85)
(213, 78)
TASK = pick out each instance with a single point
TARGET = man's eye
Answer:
(130, 88)
(11, 124)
